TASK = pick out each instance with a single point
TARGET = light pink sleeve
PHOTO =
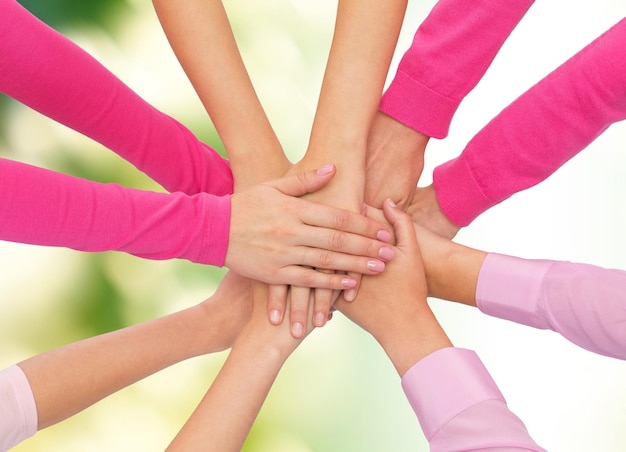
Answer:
(451, 51)
(460, 407)
(43, 207)
(540, 131)
(18, 412)
(49, 73)
(584, 303)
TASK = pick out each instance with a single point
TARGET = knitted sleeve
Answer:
(451, 51)
(49, 73)
(540, 131)
(43, 207)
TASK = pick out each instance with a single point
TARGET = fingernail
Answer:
(324, 170)
(375, 266)
(349, 295)
(348, 283)
(319, 319)
(384, 236)
(297, 329)
(275, 317)
(386, 253)
(391, 203)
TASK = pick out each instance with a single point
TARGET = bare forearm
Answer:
(223, 419)
(365, 37)
(200, 34)
(69, 379)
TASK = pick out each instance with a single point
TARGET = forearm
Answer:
(223, 418)
(200, 34)
(69, 379)
(413, 339)
(540, 131)
(49, 73)
(363, 44)
(43, 207)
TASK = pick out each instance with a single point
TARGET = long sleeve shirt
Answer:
(584, 303)
(540, 131)
(44, 70)
(460, 407)
(18, 412)
(451, 51)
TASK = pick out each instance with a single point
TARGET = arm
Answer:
(584, 303)
(211, 59)
(540, 131)
(225, 415)
(451, 51)
(364, 39)
(49, 73)
(58, 384)
(456, 401)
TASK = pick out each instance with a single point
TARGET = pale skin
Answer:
(223, 418)
(69, 379)
(393, 307)
(363, 44)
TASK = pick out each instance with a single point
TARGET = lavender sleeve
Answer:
(460, 407)
(540, 131)
(451, 51)
(584, 303)
(18, 412)
(42, 69)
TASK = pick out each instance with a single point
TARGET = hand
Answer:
(395, 160)
(393, 307)
(273, 234)
(425, 211)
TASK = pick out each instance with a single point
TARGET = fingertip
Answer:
(275, 317)
(325, 170)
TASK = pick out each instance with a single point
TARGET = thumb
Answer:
(402, 224)
(304, 182)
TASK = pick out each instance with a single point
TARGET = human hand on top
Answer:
(274, 235)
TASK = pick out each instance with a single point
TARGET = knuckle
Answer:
(338, 240)
(342, 219)
(325, 259)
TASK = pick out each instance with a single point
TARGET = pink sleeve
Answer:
(451, 51)
(538, 132)
(44, 70)
(42, 207)
(584, 303)
(18, 412)
(459, 405)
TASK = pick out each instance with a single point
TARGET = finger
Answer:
(298, 309)
(333, 218)
(402, 223)
(330, 260)
(344, 242)
(322, 301)
(305, 277)
(350, 294)
(277, 303)
(304, 182)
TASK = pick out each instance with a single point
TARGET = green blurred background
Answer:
(337, 392)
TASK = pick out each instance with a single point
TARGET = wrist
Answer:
(416, 339)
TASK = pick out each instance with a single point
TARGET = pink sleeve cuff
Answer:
(405, 101)
(444, 384)
(459, 195)
(215, 246)
(509, 288)
(18, 412)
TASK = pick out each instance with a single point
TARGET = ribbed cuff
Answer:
(418, 107)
